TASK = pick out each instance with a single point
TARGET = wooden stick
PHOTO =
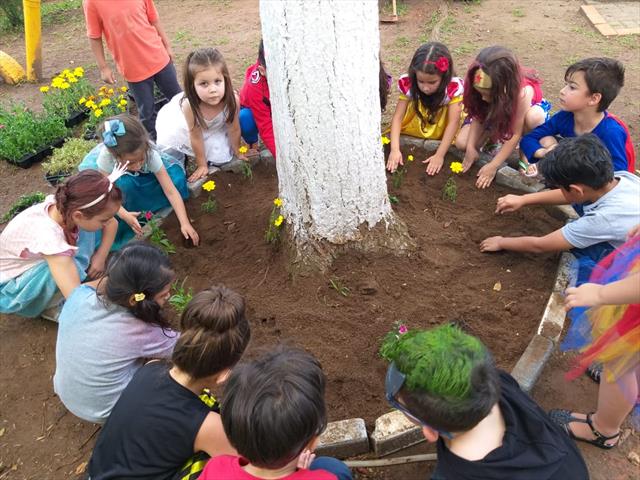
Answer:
(385, 462)
(394, 10)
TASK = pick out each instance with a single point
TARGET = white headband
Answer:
(117, 172)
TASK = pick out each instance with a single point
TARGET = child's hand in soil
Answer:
(491, 244)
(189, 232)
(200, 172)
(470, 157)
(586, 295)
(97, 266)
(131, 218)
(434, 164)
(305, 459)
(509, 203)
(486, 175)
(395, 159)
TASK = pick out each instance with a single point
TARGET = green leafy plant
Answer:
(62, 96)
(65, 160)
(158, 236)
(23, 132)
(246, 170)
(339, 287)
(210, 205)
(398, 177)
(272, 234)
(24, 202)
(450, 189)
(393, 199)
(181, 296)
(106, 102)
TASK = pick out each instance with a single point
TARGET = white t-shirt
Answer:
(609, 218)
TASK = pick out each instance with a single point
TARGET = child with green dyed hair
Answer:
(485, 426)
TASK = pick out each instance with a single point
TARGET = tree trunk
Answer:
(323, 68)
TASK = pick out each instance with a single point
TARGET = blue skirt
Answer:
(29, 294)
(141, 191)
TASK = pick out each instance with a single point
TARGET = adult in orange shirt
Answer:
(139, 47)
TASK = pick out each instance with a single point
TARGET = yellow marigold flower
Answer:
(456, 167)
(110, 91)
(277, 202)
(64, 85)
(123, 109)
(124, 89)
(278, 221)
(385, 140)
(410, 158)
(103, 88)
(66, 71)
(209, 186)
(243, 149)
(92, 97)
(78, 72)
(90, 104)
(82, 101)
(44, 89)
(98, 112)
(72, 79)
(123, 102)
(104, 102)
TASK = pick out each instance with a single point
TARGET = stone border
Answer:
(393, 431)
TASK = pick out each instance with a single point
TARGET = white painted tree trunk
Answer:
(323, 69)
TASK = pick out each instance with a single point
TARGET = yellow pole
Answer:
(32, 39)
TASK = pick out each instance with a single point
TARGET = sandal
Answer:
(564, 418)
(594, 371)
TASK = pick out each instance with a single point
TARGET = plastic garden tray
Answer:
(27, 160)
(75, 118)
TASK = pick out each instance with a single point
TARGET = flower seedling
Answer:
(339, 287)
(272, 234)
(107, 102)
(246, 170)
(450, 189)
(398, 177)
(158, 236)
(181, 295)
(210, 205)
(61, 97)
(393, 199)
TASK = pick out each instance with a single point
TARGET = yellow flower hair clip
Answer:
(138, 297)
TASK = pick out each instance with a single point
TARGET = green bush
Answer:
(13, 12)
(24, 202)
(23, 131)
(66, 159)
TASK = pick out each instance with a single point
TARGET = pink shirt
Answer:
(228, 466)
(133, 41)
(30, 236)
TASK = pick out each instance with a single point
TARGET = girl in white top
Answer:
(50, 248)
(203, 121)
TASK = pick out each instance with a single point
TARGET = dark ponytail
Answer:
(139, 269)
(215, 333)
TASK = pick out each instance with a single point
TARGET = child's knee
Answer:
(535, 116)
(549, 141)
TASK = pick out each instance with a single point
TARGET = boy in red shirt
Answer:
(139, 47)
(255, 106)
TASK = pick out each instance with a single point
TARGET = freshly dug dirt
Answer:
(499, 297)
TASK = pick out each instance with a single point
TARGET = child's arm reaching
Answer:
(395, 156)
(234, 130)
(487, 172)
(471, 153)
(99, 258)
(131, 219)
(176, 202)
(64, 272)
(436, 160)
(106, 74)
(511, 203)
(622, 292)
(197, 143)
(163, 37)
(212, 439)
(553, 242)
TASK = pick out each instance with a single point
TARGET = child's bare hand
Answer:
(199, 173)
(434, 164)
(586, 295)
(305, 459)
(486, 175)
(470, 157)
(491, 244)
(97, 266)
(107, 76)
(189, 232)
(634, 231)
(509, 203)
(131, 218)
(395, 159)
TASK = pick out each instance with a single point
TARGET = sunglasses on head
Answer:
(393, 383)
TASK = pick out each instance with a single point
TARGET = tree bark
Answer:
(322, 61)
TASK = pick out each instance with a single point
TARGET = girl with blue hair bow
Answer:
(154, 179)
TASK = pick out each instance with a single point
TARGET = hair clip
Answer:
(112, 129)
(119, 170)
(138, 297)
(441, 64)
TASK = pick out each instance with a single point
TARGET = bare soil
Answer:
(40, 440)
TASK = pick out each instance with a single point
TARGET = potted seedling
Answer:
(61, 97)
(450, 189)
(65, 160)
(106, 102)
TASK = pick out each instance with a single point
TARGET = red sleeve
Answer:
(94, 24)
(404, 85)
(152, 13)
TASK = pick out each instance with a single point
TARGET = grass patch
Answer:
(401, 8)
(570, 60)
(465, 49)
(402, 42)
(629, 41)
(182, 36)
(517, 12)
(587, 32)
(51, 13)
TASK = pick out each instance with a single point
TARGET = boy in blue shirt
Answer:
(590, 87)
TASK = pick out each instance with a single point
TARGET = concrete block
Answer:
(345, 438)
(407, 141)
(553, 317)
(393, 432)
(431, 145)
(532, 361)
(561, 212)
(509, 177)
(195, 188)
(567, 272)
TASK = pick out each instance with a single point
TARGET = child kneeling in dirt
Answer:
(162, 426)
(273, 413)
(485, 427)
(607, 203)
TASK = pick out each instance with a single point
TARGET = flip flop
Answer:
(594, 372)
(564, 418)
